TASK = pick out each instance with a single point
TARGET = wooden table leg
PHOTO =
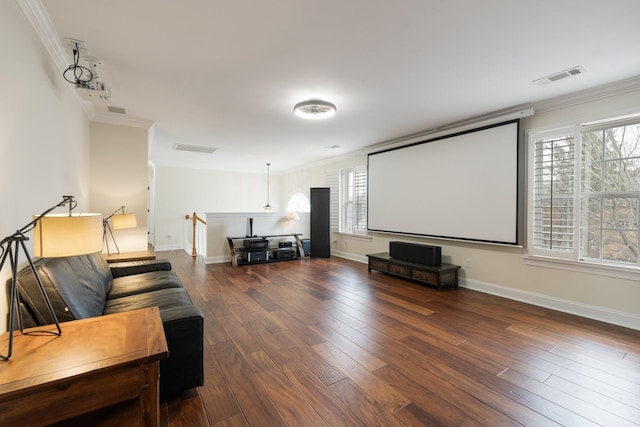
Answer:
(150, 394)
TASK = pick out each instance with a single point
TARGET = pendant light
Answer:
(267, 207)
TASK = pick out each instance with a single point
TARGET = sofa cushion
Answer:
(35, 311)
(141, 283)
(128, 268)
(101, 269)
(81, 281)
(162, 298)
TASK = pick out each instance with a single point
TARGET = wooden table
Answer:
(131, 256)
(103, 362)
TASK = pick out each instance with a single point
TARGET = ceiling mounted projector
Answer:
(85, 77)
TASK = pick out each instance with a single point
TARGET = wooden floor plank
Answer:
(597, 398)
(351, 349)
(472, 397)
(325, 342)
(387, 397)
(219, 402)
(583, 413)
(311, 360)
(291, 405)
(186, 409)
(257, 407)
(363, 406)
(436, 409)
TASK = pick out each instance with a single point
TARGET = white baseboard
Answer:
(347, 255)
(160, 248)
(217, 259)
(620, 318)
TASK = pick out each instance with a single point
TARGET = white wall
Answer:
(235, 224)
(503, 270)
(44, 135)
(119, 158)
(180, 191)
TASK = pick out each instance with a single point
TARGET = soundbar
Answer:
(414, 252)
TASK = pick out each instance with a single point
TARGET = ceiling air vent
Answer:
(195, 148)
(117, 110)
(561, 75)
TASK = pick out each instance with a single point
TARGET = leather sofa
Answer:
(87, 286)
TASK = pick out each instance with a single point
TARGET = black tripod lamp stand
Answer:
(55, 235)
(120, 221)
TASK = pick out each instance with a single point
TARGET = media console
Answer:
(257, 249)
(436, 275)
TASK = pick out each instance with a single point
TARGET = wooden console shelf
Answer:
(240, 255)
(130, 256)
(439, 276)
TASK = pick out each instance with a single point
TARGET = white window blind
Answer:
(332, 181)
(584, 193)
(353, 200)
(554, 205)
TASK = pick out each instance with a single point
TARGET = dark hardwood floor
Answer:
(323, 342)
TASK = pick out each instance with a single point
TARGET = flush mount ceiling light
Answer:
(314, 109)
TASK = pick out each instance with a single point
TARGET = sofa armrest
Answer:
(184, 369)
(120, 269)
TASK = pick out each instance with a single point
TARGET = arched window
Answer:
(298, 202)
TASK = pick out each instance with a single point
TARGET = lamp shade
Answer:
(59, 235)
(123, 221)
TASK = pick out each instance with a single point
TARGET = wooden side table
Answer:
(131, 256)
(96, 363)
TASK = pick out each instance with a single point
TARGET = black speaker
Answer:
(319, 227)
(414, 252)
(306, 246)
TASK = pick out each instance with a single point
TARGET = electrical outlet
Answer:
(468, 263)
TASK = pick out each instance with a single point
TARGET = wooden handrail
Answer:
(195, 219)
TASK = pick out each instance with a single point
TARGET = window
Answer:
(298, 202)
(585, 193)
(353, 201)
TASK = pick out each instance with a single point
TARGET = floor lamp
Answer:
(120, 221)
(54, 235)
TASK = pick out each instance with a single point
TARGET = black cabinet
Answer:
(320, 232)
(438, 276)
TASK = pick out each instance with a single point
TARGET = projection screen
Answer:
(462, 186)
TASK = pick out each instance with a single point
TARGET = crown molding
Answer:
(39, 20)
(121, 120)
(588, 95)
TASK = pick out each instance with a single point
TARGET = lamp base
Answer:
(15, 242)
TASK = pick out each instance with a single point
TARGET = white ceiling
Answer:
(226, 74)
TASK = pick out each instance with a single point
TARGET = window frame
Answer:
(533, 138)
(348, 221)
(573, 260)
